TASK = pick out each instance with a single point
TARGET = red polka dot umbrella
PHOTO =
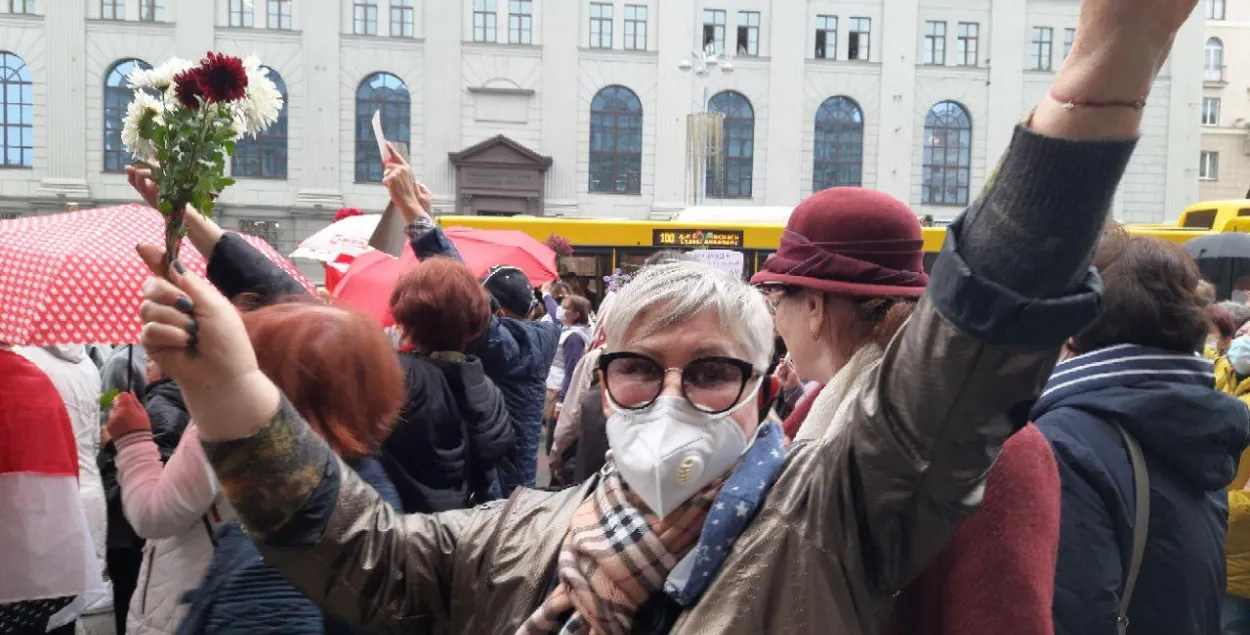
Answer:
(74, 278)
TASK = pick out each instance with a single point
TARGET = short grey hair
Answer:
(673, 293)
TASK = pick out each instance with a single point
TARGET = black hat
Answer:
(510, 289)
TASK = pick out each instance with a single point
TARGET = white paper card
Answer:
(379, 135)
(726, 260)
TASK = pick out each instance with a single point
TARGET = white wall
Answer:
(540, 95)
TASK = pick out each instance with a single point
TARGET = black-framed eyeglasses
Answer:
(711, 384)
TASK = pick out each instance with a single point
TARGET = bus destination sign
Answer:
(697, 238)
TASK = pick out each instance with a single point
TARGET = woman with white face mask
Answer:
(702, 522)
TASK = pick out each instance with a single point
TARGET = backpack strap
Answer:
(1141, 523)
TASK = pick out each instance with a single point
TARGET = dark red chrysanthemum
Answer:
(187, 88)
(222, 78)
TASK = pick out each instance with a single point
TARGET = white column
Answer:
(66, 154)
(786, 104)
(1006, 55)
(194, 27)
(321, 22)
(559, 86)
(1184, 117)
(894, 46)
(673, 31)
(441, 96)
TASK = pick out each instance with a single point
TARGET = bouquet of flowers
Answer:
(560, 245)
(184, 122)
(616, 280)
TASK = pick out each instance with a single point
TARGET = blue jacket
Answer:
(242, 595)
(1192, 436)
(517, 356)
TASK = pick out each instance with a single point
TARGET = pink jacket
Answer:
(175, 507)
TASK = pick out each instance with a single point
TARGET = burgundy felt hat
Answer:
(852, 241)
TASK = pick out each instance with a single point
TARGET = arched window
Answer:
(265, 157)
(616, 141)
(1213, 61)
(117, 96)
(17, 113)
(838, 152)
(389, 94)
(735, 180)
(947, 154)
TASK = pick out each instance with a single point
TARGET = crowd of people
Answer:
(1043, 434)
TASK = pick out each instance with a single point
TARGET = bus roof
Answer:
(740, 214)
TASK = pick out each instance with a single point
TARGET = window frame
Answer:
(744, 126)
(121, 95)
(281, 15)
(752, 26)
(831, 35)
(1046, 44)
(366, 148)
(361, 12)
(1210, 111)
(1069, 37)
(404, 15)
(625, 149)
(271, 143)
(151, 10)
(485, 21)
(601, 25)
(718, 22)
(968, 44)
(116, 9)
(1208, 165)
(935, 43)
(1215, 10)
(961, 169)
(636, 16)
(520, 22)
(1214, 48)
(830, 131)
(15, 72)
(861, 34)
(270, 227)
(28, 7)
(240, 16)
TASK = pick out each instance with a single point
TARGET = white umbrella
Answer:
(349, 237)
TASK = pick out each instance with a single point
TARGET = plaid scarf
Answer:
(615, 557)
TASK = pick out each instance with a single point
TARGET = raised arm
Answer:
(234, 266)
(1010, 288)
(313, 518)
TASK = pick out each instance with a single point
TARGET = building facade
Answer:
(574, 107)
(1224, 162)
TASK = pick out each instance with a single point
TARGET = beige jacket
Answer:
(852, 518)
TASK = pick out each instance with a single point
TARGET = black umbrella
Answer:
(1223, 259)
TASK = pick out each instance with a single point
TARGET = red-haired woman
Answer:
(454, 426)
(319, 356)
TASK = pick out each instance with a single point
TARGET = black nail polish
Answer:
(179, 268)
(184, 304)
(192, 327)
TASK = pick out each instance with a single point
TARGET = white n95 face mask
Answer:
(670, 450)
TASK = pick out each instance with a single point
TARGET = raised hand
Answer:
(141, 180)
(199, 340)
(412, 198)
(127, 416)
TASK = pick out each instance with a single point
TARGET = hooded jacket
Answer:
(451, 432)
(1192, 436)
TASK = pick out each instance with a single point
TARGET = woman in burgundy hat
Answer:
(845, 278)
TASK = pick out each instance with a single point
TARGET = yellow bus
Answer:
(602, 245)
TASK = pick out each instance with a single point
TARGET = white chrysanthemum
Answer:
(160, 78)
(143, 107)
(260, 106)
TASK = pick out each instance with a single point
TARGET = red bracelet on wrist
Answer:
(1069, 104)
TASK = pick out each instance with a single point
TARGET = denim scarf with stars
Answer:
(732, 510)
